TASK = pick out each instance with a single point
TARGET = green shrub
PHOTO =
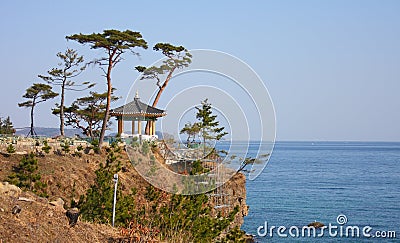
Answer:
(10, 149)
(26, 177)
(46, 148)
(197, 168)
(183, 218)
(78, 154)
(145, 148)
(233, 236)
(96, 205)
(79, 148)
(65, 147)
(95, 146)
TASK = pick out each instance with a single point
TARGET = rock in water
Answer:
(316, 224)
(72, 214)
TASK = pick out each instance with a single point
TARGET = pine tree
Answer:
(177, 57)
(72, 65)
(191, 130)
(36, 94)
(25, 174)
(6, 126)
(209, 126)
(96, 205)
(114, 43)
(86, 113)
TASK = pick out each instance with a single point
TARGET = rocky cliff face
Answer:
(230, 195)
(236, 187)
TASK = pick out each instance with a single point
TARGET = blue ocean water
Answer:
(317, 181)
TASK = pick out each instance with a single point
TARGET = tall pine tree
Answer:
(114, 43)
(209, 125)
(36, 94)
(71, 66)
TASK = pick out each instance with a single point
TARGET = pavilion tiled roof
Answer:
(137, 108)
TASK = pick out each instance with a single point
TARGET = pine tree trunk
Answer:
(105, 120)
(62, 110)
(109, 91)
(33, 106)
(162, 88)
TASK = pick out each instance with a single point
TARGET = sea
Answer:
(347, 185)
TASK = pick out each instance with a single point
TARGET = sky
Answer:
(332, 68)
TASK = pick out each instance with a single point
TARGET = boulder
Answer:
(25, 199)
(58, 204)
(316, 224)
(16, 209)
(9, 189)
(73, 215)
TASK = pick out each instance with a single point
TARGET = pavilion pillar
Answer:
(151, 128)
(139, 127)
(153, 123)
(133, 127)
(120, 125)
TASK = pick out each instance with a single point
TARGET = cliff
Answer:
(67, 177)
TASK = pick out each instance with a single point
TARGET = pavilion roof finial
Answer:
(137, 95)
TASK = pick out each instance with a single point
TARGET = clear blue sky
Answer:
(332, 67)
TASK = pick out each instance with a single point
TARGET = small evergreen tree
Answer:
(65, 147)
(191, 130)
(25, 174)
(96, 205)
(10, 149)
(208, 124)
(95, 146)
(6, 126)
(46, 148)
(145, 148)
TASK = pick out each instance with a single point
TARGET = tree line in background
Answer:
(91, 113)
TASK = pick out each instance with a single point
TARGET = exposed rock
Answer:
(316, 224)
(21, 152)
(72, 214)
(235, 196)
(59, 204)
(9, 189)
(16, 209)
(25, 199)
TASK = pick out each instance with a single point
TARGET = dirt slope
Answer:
(69, 177)
(39, 221)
